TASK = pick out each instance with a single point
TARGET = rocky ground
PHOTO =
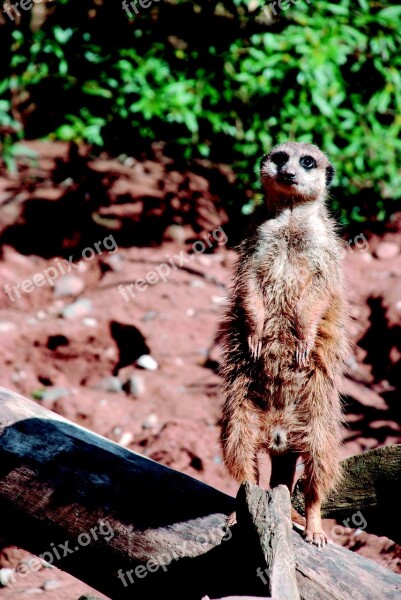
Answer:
(136, 361)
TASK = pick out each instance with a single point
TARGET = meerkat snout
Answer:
(295, 172)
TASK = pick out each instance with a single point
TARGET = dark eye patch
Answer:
(279, 158)
(307, 162)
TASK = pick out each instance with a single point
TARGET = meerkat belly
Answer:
(282, 287)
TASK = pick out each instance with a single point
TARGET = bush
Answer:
(215, 80)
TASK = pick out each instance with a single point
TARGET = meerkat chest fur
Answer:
(291, 249)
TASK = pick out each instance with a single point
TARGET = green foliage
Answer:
(215, 80)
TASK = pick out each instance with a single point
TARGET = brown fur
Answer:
(285, 340)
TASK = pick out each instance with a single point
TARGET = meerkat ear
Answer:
(263, 160)
(330, 172)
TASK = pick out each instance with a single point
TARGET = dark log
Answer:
(367, 494)
(268, 514)
(59, 481)
(61, 485)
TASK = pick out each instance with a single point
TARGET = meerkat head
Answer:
(294, 173)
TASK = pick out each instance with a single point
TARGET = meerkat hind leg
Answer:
(253, 477)
(239, 441)
(314, 533)
(314, 492)
(284, 472)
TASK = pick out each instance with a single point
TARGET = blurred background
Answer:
(131, 135)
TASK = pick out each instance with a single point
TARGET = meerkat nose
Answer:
(286, 177)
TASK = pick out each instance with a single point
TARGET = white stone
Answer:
(387, 250)
(147, 362)
(69, 285)
(151, 421)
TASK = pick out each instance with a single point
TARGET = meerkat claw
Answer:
(231, 520)
(255, 346)
(318, 538)
(302, 355)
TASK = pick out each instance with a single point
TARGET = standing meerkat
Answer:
(285, 339)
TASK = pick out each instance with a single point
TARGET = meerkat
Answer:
(285, 339)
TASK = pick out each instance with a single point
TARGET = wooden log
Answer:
(237, 598)
(321, 573)
(268, 514)
(130, 527)
(120, 522)
(367, 495)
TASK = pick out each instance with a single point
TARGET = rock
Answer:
(69, 285)
(150, 315)
(90, 322)
(151, 421)
(18, 376)
(135, 386)
(109, 384)
(218, 299)
(147, 362)
(54, 393)
(51, 584)
(366, 257)
(205, 260)
(113, 262)
(126, 439)
(386, 250)
(6, 576)
(7, 326)
(45, 564)
(129, 161)
(56, 307)
(41, 315)
(80, 308)
(175, 233)
(111, 353)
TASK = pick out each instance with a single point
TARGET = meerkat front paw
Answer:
(319, 538)
(255, 345)
(302, 354)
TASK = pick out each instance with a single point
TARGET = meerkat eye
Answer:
(307, 162)
(279, 158)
